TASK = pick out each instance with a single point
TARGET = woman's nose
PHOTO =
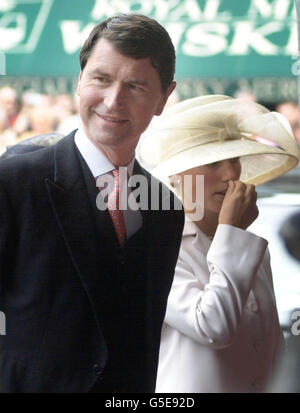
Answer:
(230, 170)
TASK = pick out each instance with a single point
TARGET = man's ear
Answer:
(165, 97)
(78, 84)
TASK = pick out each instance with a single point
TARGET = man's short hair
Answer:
(139, 37)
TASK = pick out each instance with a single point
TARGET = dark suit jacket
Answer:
(79, 310)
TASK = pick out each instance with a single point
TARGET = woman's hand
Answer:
(239, 206)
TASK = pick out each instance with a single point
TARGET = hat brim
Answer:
(254, 157)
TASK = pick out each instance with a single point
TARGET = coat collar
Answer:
(200, 240)
(72, 209)
(66, 174)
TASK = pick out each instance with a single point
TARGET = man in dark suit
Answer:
(83, 306)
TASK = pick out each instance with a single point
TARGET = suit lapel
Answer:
(72, 208)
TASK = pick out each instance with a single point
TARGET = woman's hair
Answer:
(139, 37)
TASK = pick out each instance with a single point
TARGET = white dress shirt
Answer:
(100, 165)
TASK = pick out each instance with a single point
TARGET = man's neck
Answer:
(118, 156)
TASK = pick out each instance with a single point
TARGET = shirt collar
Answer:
(95, 159)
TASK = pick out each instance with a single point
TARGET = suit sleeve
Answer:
(6, 237)
(210, 314)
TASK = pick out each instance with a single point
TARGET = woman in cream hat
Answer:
(221, 331)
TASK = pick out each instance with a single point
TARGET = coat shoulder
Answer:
(30, 163)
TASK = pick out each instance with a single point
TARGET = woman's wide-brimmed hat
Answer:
(212, 128)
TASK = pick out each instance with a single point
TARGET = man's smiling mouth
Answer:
(112, 119)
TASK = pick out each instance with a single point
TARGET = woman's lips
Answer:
(220, 195)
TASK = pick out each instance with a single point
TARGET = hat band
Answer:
(210, 133)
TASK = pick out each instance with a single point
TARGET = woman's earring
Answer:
(175, 181)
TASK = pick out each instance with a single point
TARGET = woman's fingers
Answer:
(250, 193)
(231, 207)
(251, 211)
(239, 205)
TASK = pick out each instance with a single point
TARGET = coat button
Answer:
(97, 369)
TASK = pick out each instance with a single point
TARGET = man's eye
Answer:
(135, 87)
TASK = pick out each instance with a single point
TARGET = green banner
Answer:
(214, 39)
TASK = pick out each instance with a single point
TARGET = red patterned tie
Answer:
(113, 208)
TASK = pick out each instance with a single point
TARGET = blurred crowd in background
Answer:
(22, 117)
(34, 113)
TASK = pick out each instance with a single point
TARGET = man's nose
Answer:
(114, 97)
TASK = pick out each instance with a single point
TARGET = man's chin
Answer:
(103, 138)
